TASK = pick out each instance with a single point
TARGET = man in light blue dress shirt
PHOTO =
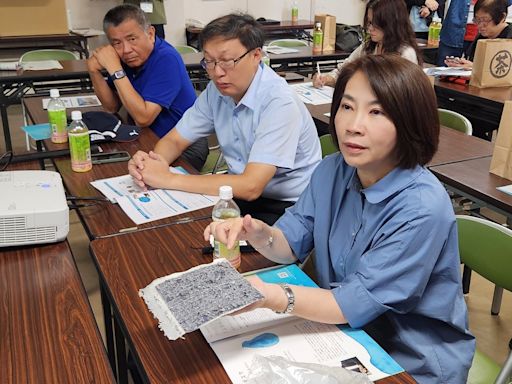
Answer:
(265, 132)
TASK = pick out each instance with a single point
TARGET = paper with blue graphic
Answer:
(237, 339)
(155, 204)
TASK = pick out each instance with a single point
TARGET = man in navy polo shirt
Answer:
(146, 75)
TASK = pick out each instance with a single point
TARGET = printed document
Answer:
(311, 95)
(76, 101)
(145, 206)
(277, 50)
(236, 340)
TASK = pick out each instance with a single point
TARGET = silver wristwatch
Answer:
(290, 296)
(118, 75)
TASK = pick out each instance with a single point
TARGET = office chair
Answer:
(289, 43)
(47, 54)
(327, 145)
(215, 162)
(485, 248)
(182, 49)
(455, 120)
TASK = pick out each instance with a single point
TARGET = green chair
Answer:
(485, 247)
(455, 120)
(327, 145)
(182, 49)
(47, 54)
(215, 162)
(289, 43)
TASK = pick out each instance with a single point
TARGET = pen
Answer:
(243, 249)
(318, 70)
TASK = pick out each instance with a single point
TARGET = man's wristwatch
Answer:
(118, 75)
(290, 296)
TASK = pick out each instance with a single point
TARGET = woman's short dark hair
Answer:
(392, 18)
(121, 13)
(234, 26)
(407, 98)
(497, 9)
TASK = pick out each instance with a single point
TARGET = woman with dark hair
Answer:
(490, 18)
(389, 30)
(382, 226)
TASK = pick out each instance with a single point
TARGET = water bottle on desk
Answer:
(79, 144)
(295, 12)
(434, 31)
(318, 37)
(226, 208)
(57, 118)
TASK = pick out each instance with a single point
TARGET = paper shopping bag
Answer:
(329, 28)
(501, 163)
(492, 63)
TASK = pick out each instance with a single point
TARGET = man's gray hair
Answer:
(121, 13)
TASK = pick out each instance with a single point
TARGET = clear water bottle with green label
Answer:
(79, 144)
(57, 118)
(434, 31)
(225, 209)
(265, 58)
(318, 37)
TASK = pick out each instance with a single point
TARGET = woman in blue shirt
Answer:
(381, 224)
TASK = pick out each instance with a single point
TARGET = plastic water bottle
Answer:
(434, 31)
(57, 118)
(226, 208)
(295, 12)
(318, 37)
(79, 144)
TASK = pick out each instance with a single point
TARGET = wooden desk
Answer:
(454, 146)
(296, 29)
(482, 106)
(472, 178)
(129, 262)
(14, 84)
(71, 41)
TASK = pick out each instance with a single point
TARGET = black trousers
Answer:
(264, 209)
(197, 153)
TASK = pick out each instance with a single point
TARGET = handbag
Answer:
(418, 23)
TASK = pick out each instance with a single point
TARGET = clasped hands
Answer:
(106, 58)
(149, 169)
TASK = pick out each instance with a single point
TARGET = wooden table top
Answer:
(473, 177)
(454, 146)
(283, 25)
(494, 94)
(129, 262)
(71, 69)
(48, 332)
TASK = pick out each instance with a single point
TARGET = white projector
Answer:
(33, 208)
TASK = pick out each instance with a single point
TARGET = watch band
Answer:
(290, 296)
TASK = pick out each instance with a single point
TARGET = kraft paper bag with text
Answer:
(329, 28)
(492, 63)
(501, 163)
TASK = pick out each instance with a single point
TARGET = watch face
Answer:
(119, 74)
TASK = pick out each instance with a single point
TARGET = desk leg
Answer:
(109, 331)
(122, 365)
(5, 126)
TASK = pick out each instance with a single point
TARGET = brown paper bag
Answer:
(492, 63)
(329, 28)
(501, 163)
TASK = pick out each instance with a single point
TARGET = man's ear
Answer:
(151, 33)
(257, 54)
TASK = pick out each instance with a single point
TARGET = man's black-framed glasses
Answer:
(226, 65)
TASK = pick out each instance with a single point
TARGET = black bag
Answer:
(348, 37)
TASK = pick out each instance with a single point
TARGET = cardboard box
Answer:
(33, 17)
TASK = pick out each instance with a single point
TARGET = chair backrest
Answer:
(455, 120)
(215, 162)
(47, 54)
(290, 43)
(327, 145)
(185, 49)
(486, 248)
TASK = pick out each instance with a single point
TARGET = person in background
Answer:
(147, 76)
(265, 133)
(382, 226)
(427, 8)
(490, 18)
(451, 42)
(155, 12)
(387, 23)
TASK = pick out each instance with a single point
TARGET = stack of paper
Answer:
(311, 95)
(447, 71)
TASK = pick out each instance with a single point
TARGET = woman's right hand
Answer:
(319, 80)
(246, 228)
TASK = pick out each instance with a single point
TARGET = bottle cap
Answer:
(54, 93)
(318, 24)
(76, 115)
(226, 192)
(436, 17)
